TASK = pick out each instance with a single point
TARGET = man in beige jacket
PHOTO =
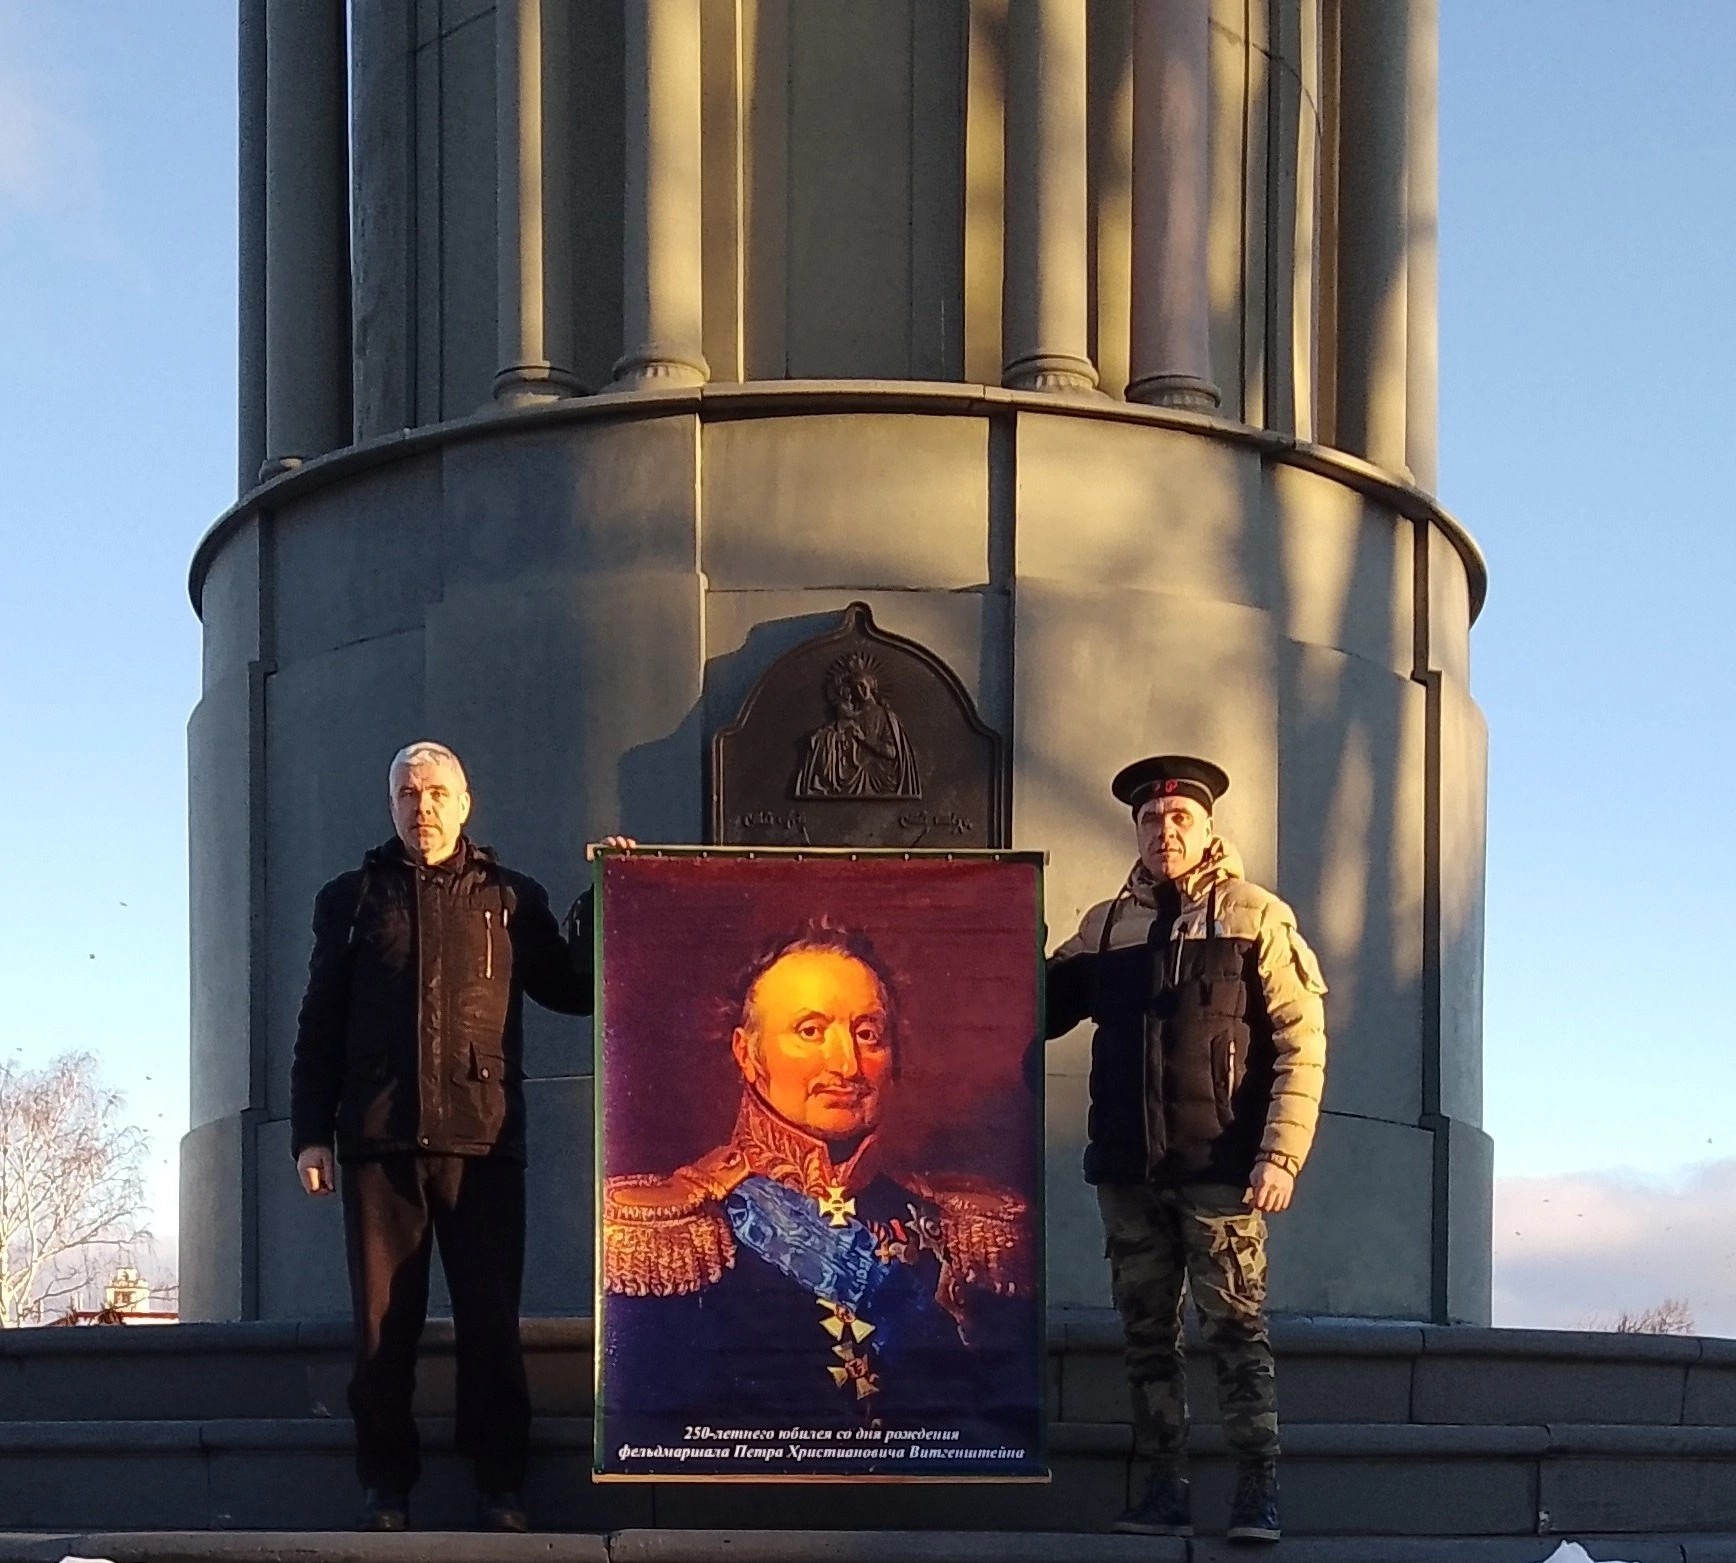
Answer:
(1206, 1071)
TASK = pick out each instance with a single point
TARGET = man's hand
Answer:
(620, 843)
(1270, 1188)
(318, 1169)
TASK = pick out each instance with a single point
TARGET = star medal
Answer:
(930, 1237)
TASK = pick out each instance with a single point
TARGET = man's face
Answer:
(429, 808)
(1173, 836)
(816, 1042)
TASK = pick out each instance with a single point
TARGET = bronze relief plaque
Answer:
(858, 738)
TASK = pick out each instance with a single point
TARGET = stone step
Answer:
(1338, 1478)
(1329, 1371)
(742, 1546)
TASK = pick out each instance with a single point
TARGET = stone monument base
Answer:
(1510, 1437)
(833, 1546)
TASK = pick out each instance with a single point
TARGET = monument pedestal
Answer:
(748, 1546)
(1486, 1443)
(579, 597)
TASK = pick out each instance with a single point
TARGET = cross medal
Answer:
(833, 1206)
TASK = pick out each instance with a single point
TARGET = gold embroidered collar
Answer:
(769, 1144)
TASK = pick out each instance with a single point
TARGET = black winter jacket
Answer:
(1181, 1064)
(1210, 1047)
(411, 1035)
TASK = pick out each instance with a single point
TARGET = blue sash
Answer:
(784, 1227)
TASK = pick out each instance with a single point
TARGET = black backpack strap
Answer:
(1103, 949)
(1109, 921)
(361, 900)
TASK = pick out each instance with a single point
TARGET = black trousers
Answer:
(395, 1209)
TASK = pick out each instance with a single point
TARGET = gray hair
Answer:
(425, 752)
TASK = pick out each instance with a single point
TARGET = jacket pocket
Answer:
(486, 1068)
(1225, 997)
(1226, 1067)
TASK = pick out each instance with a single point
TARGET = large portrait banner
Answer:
(819, 1143)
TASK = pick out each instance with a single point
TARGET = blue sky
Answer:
(1588, 329)
(117, 341)
(1587, 343)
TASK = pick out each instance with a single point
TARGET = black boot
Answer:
(501, 1511)
(1164, 1510)
(383, 1510)
(1254, 1511)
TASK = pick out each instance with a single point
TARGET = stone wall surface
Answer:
(576, 598)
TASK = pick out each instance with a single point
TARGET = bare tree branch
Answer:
(71, 1183)
(1673, 1316)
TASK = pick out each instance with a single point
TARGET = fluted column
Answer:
(383, 215)
(1422, 276)
(307, 233)
(250, 248)
(1170, 357)
(1047, 344)
(664, 273)
(562, 210)
(525, 374)
(1373, 232)
(1305, 315)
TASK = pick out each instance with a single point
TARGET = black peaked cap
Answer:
(1180, 775)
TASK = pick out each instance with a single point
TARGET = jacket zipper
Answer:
(416, 922)
(1165, 981)
(488, 945)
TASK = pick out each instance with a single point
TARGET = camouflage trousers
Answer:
(1198, 1238)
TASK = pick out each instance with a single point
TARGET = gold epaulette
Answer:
(986, 1229)
(663, 1237)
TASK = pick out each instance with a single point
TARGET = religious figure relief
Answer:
(863, 751)
(858, 738)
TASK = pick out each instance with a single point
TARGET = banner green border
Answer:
(600, 856)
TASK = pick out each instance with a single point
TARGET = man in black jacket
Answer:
(409, 1072)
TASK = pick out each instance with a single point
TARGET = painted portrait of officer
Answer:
(796, 1272)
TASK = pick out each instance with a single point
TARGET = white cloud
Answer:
(1577, 1247)
(50, 165)
(26, 142)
